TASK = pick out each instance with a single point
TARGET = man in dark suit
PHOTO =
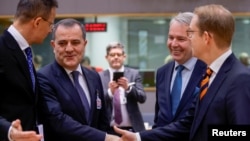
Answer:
(72, 95)
(130, 87)
(227, 98)
(19, 92)
(179, 46)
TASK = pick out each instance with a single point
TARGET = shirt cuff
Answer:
(138, 137)
(129, 89)
(110, 93)
(9, 134)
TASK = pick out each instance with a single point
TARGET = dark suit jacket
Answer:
(137, 94)
(227, 102)
(64, 119)
(163, 110)
(17, 99)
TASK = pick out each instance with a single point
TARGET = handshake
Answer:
(125, 135)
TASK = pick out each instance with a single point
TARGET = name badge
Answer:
(98, 101)
(123, 100)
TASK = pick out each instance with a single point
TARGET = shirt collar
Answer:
(23, 44)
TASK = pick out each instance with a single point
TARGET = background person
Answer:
(130, 87)
(19, 92)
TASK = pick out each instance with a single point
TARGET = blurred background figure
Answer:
(38, 61)
(168, 59)
(87, 63)
(244, 59)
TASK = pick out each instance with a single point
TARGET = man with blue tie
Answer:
(177, 82)
(72, 96)
(19, 93)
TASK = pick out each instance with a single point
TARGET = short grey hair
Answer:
(183, 18)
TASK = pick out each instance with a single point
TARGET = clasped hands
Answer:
(125, 135)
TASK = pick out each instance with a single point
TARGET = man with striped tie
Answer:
(225, 104)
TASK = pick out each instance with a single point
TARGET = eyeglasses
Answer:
(190, 33)
(116, 54)
(51, 24)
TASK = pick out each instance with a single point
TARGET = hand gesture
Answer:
(125, 135)
(17, 134)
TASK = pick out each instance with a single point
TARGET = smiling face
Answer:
(178, 43)
(69, 46)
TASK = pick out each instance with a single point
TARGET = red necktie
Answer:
(204, 83)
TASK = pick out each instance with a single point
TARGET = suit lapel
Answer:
(20, 59)
(92, 92)
(199, 70)
(202, 106)
(66, 84)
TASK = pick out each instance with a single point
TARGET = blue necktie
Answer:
(176, 89)
(117, 107)
(81, 93)
(30, 64)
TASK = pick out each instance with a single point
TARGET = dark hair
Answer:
(69, 22)
(85, 59)
(29, 9)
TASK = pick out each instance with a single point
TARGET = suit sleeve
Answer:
(137, 91)
(61, 122)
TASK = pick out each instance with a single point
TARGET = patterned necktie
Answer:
(204, 83)
(176, 89)
(30, 64)
(117, 107)
(81, 93)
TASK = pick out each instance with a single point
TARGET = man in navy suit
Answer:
(130, 87)
(73, 106)
(179, 46)
(227, 100)
(19, 92)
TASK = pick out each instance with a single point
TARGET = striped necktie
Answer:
(204, 83)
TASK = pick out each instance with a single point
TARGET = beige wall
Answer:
(102, 7)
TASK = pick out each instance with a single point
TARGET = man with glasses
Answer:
(19, 86)
(221, 112)
(129, 88)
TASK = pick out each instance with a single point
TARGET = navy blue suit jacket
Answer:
(227, 102)
(17, 99)
(64, 118)
(163, 110)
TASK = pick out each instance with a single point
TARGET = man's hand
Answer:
(17, 134)
(125, 135)
(112, 138)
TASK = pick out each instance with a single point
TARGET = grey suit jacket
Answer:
(137, 94)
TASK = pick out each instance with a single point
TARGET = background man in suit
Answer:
(130, 87)
(228, 95)
(179, 46)
(18, 96)
(73, 99)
